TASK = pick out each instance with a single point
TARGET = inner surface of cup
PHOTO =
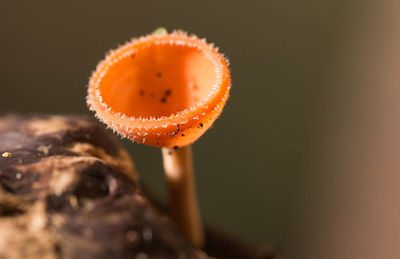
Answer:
(158, 80)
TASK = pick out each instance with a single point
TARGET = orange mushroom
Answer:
(164, 90)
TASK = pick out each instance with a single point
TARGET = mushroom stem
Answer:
(178, 166)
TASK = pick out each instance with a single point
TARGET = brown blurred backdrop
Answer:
(282, 164)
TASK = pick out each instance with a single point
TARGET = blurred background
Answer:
(306, 153)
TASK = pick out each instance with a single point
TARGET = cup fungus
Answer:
(164, 90)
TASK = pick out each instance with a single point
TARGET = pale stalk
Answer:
(178, 166)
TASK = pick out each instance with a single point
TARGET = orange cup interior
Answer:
(158, 80)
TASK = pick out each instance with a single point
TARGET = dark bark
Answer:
(68, 190)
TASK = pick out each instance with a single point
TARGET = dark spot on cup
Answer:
(175, 132)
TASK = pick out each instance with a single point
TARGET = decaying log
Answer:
(68, 190)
